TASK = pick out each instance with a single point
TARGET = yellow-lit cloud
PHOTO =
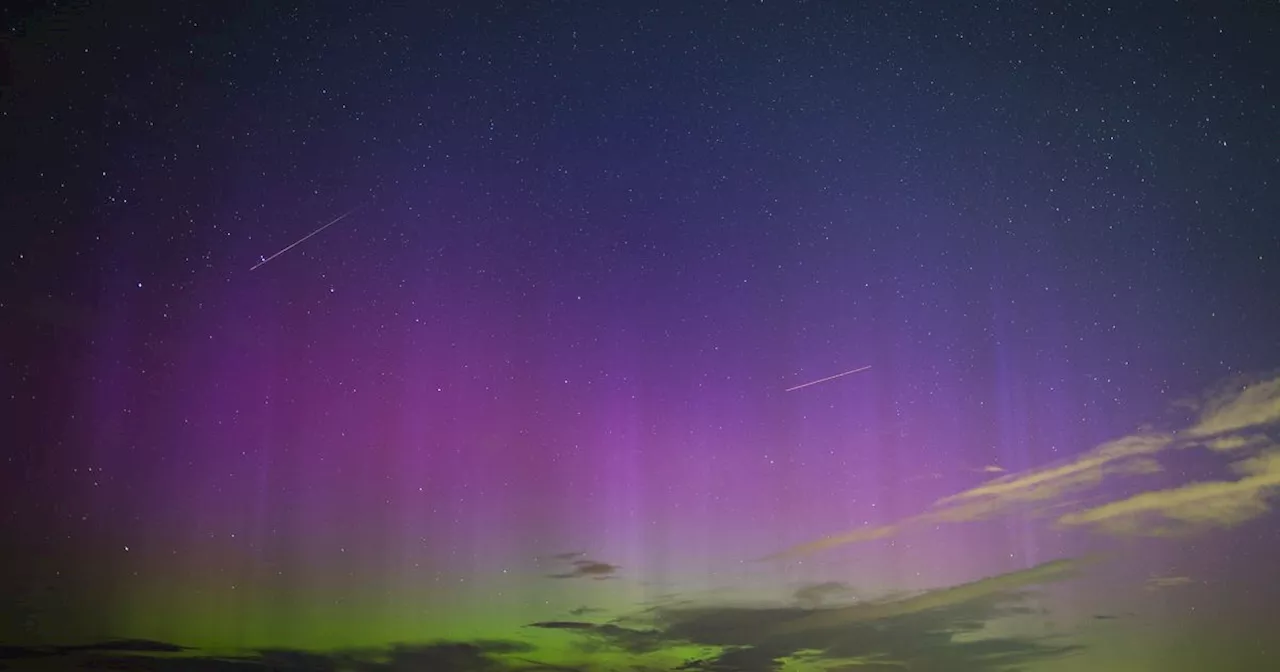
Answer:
(1242, 408)
(1038, 485)
(1238, 442)
(1189, 507)
(861, 534)
(1236, 421)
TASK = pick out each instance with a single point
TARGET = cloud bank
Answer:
(940, 629)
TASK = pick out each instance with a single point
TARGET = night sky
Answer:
(534, 398)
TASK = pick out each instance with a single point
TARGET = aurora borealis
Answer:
(479, 336)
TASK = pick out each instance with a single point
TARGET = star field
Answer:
(464, 336)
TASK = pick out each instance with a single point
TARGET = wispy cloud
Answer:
(1127, 455)
(1240, 419)
(585, 568)
(870, 533)
(1189, 508)
(1161, 582)
(1240, 408)
(934, 599)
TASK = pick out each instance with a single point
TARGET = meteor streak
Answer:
(823, 380)
(304, 238)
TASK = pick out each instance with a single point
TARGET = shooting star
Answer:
(823, 380)
(303, 239)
